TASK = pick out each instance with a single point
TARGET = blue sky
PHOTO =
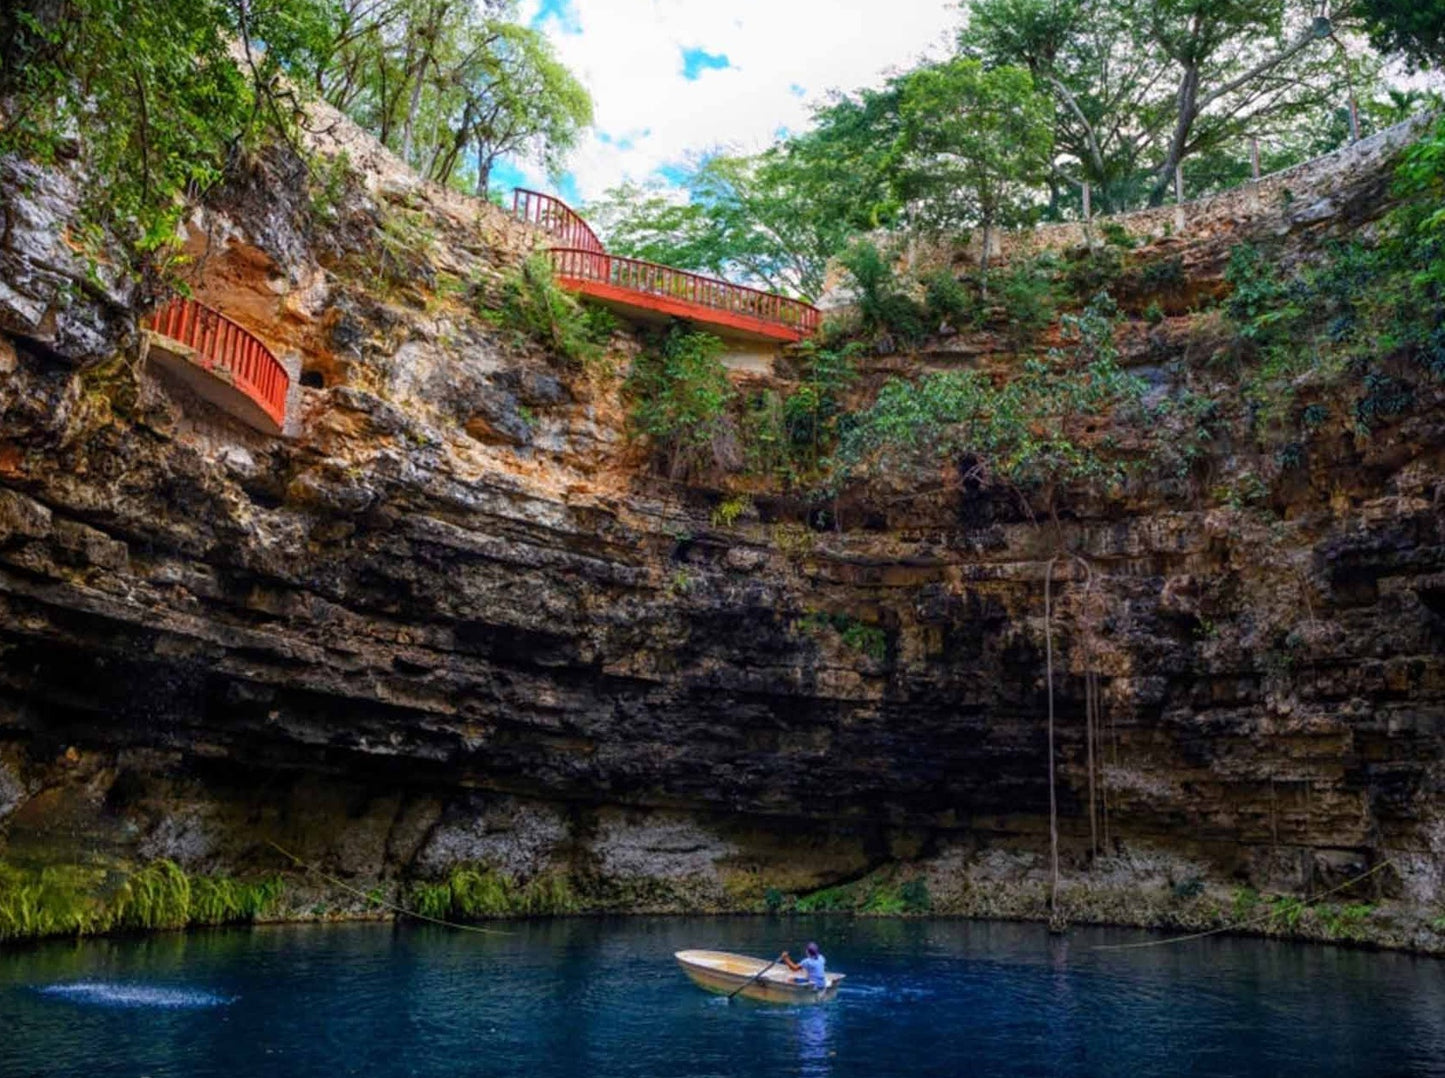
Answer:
(672, 80)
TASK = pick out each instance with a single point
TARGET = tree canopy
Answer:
(452, 85)
(167, 93)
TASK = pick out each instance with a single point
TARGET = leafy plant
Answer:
(678, 392)
(536, 308)
(726, 513)
(72, 900)
(885, 309)
(793, 540)
(473, 892)
(162, 108)
(1028, 433)
(946, 299)
(1023, 297)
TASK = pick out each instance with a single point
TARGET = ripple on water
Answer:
(110, 994)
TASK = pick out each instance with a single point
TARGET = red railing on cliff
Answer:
(228, 352)
(582, 264)
(556, 218)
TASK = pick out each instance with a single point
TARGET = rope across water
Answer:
(383, 902)
(1246, 923)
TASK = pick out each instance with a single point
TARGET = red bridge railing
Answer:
(221, 346)
(556, 218)
(580, 256)
(667, 282)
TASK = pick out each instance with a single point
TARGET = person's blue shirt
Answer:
(813, 967)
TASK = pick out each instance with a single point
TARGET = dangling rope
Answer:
(1053, 796)
(1247, 922)
(373, 900)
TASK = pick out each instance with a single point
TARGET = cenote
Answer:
(585, 996)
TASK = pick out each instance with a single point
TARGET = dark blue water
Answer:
(602, 998)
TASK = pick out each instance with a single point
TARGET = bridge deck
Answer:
(649, 290)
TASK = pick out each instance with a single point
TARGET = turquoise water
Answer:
(583, 997)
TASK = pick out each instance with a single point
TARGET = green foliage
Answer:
(914, 896)
(327, 184)
(217, 900)
(1345, 922)
(881, 894)
(1162, 274)
(1026, 433)
(1187, 889)
(1349, 319)
(74, 900)
(773, 900)
(1116, 235)
(813, 412)
(946, 299)
(1412, 28)
(745, 218)
(1137, 88)
(1242, 492)
(973, 144)
(726, 513)
(793, 540)
(158, 896)
(1255, 302)
(678, 392)
(149, 87)
(452, 87)
(868, 640)
(535, 308)
(885, 309)
(1024, 299)
(1092, 270)
(472, 893)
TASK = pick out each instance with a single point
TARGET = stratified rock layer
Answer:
(455, 621)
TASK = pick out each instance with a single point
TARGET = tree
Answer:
(1086, 57)
(1140, 86)
(746, 218)
(452, 85)
(1413, 28)
(153, 86)
(510, 97)
(974, 144)
(1231, 61)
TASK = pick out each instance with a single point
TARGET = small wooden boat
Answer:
(719, 971)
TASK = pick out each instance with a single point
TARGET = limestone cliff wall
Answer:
(455, 620)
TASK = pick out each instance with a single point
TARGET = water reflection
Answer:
(815, 1043)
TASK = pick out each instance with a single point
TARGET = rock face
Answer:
(455, 621)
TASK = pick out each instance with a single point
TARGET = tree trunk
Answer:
(1188, 101)
(484, 169)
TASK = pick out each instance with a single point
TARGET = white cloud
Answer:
(629, 54)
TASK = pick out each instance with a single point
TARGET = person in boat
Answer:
(811, 967)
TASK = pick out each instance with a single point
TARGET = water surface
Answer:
(585, 998)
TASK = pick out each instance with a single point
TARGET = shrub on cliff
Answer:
(678, 394)
(535, 308)
(146, 93)
(1029, 433)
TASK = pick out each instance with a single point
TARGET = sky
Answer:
(674, 79)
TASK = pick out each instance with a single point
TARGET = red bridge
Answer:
(582, 265)
(220, 361)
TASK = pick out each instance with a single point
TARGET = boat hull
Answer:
(725, 973)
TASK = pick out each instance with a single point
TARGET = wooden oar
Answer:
(754, 977)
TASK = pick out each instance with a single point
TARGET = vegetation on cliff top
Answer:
(161, 99)
(1039, 99)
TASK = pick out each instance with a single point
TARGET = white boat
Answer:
(725, 973)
